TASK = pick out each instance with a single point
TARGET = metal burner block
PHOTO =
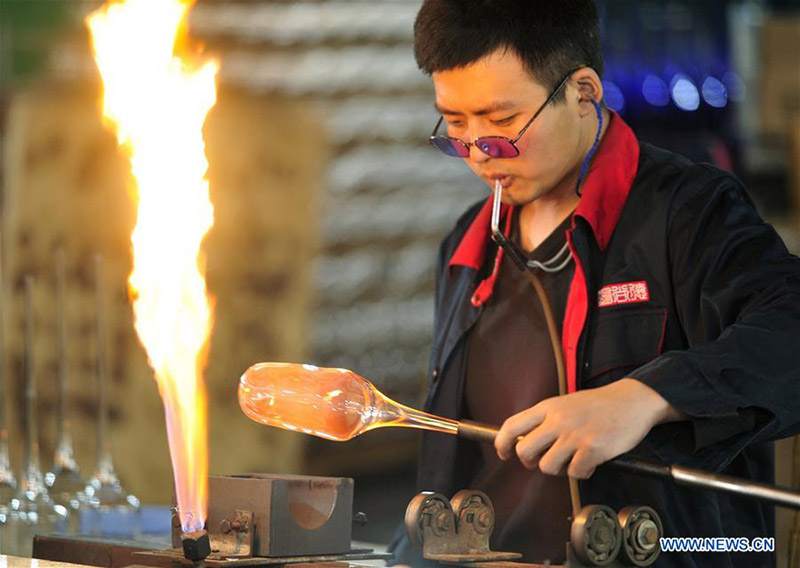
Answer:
(277, 515)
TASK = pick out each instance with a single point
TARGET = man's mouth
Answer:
(505, 180)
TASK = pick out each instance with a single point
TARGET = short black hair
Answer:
(551, 37)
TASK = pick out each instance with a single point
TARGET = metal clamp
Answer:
(455, 531)
(235, 536)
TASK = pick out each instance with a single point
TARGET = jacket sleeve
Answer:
(737, 293)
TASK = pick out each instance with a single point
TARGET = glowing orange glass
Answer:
(336, 404)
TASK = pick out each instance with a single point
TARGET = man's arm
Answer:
(584, 429)
(738, 296)
(737, 292)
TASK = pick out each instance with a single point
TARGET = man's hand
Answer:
(584, 429)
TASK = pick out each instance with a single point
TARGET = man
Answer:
(679, 307)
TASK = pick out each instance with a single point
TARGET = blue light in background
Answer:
(714, 92)
(655, 91)
(735, 86)
(613, 97)
(685, 93)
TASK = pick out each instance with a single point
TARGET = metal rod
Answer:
(476, 431)
(498, 237)
(781, 496)
(761, 491)
(647, 469)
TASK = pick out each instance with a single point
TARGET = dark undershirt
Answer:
(511, 368)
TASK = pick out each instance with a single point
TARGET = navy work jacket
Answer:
(679, 284)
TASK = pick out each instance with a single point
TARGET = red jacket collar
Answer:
(609, 181)
(471, 251)
(604, 193)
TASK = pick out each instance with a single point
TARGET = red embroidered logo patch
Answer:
(627, 293)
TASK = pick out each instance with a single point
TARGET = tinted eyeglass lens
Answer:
(497, 147)
(450, 147)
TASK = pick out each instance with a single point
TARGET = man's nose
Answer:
(477, 155)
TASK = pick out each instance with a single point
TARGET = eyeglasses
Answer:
(494, 146)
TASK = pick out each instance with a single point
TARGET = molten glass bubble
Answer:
(335, 404)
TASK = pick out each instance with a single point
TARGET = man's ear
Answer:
(589, 87)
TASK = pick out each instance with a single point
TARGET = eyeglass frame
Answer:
(513, 141)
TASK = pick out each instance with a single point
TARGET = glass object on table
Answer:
(32, 511)
(112, 511)
(64, 482)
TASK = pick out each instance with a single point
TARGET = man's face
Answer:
(496, 96)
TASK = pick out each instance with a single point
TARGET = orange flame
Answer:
(157, 103)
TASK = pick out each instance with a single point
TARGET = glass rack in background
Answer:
(109, 503)
(64, 481)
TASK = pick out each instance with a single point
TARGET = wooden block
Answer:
(87, 551)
